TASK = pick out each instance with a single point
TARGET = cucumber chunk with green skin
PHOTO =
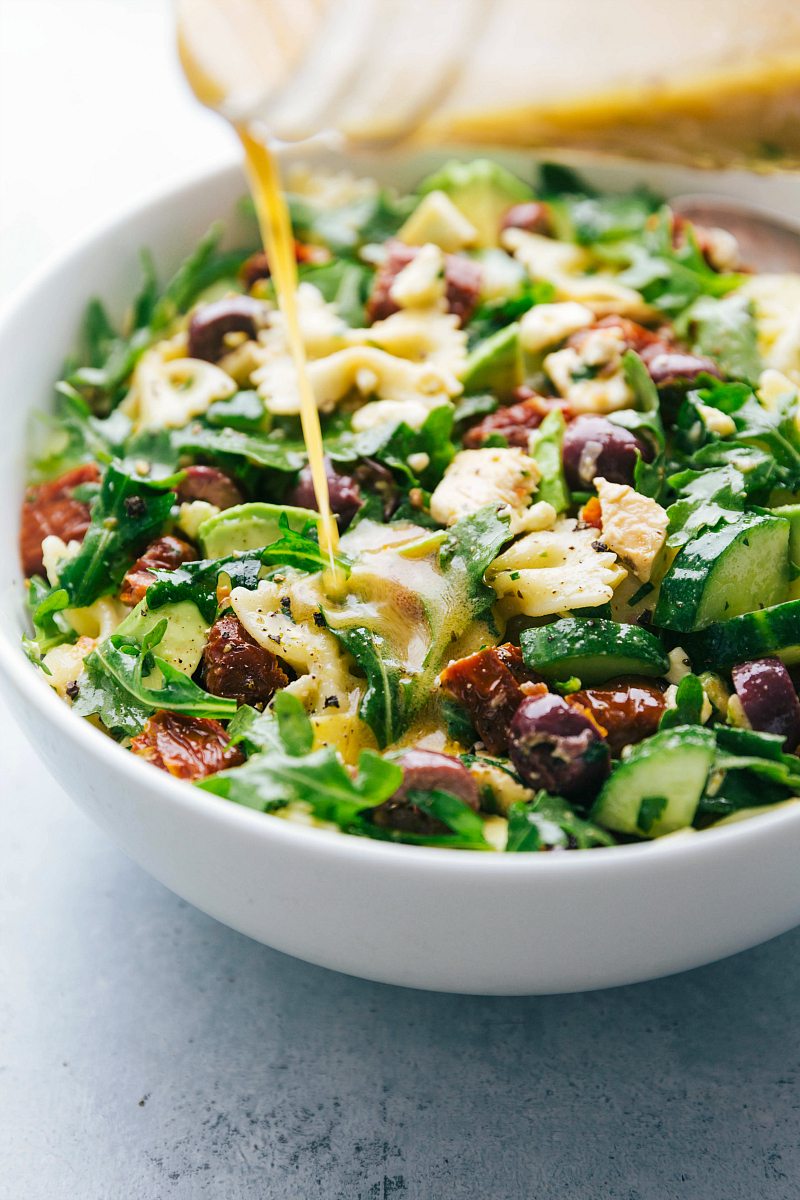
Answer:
(657, 788)
(593, 650)
(724, 572)
(771, 631)
(495, 364)
(792, 514)
(249, 527)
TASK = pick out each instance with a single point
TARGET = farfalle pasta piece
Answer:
(553, 571)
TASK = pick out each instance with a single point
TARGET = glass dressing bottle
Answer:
(712, 84)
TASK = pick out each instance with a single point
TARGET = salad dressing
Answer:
(276, 234)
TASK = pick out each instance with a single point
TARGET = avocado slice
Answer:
(249, 527)
(495, 364)
(184, 638)
(482, 190)
(792, 514)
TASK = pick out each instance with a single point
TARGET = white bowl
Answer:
(446, 920)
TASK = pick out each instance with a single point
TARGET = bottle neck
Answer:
(372, 70)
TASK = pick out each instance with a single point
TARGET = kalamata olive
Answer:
(209, 484)
(594, 446)
(344, 492)
(211, 324)
(373, 477)
(556, 747)
(769, 699)
(673, 368)
(532, 216)
(425, 771)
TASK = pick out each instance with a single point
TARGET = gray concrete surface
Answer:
(148, 1052)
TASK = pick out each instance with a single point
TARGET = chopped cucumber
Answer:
(774, 631)
(495, 364)
(657, 788)
(249, 527)
(721, 573)
(792, 514)
(593, 650)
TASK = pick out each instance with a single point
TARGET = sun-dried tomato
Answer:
(187, 747)
(50, 509)
(513, 422)
(628, 709)
(491, 685)
(257, 265)
(234, 665)
(591, 513)
(165, 554)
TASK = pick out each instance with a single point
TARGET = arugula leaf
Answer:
(469, 408)
(750, 770)
(255, 730)
(724, 330)
(346, 227)
(547, 822)
(294, 728)
(688, 706)
(344, 284)
(705, 500)
(109, 355)
(273, 778)
(669, 277)
(590, 219)
(644, 420)
(269, 451)
(198, 582)
(457, 722)
(773, 430)
(244, 411)
(127, 514)
(472, 545)
(393, 445)
(101, 694)
(454, 812)
(45, 605)
(118, 670)
(545, 448)
(382, 706)
(300, 550)
(492, 315)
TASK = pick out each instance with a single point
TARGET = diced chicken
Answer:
(634, 526)
(491, 475)
(546, 325)
(590, 376)
(421, 283)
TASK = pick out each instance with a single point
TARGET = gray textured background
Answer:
(147, 1052)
